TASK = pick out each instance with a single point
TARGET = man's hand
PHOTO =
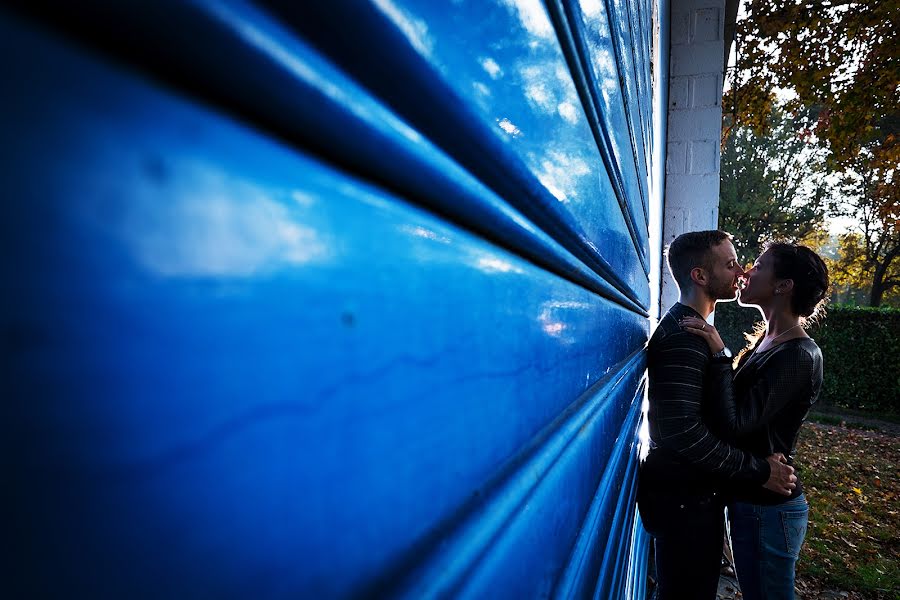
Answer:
(781, 475)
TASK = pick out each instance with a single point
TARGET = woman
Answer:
(760, 406)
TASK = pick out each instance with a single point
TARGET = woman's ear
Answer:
(785, 286)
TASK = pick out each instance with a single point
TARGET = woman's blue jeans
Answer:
(766, 542)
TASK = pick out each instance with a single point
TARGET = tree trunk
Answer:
(877, 286)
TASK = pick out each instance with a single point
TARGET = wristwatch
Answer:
(723, 353)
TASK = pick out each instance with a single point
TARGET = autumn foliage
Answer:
(834, 66)
(840, 58)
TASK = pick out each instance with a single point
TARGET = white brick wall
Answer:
(694, 122)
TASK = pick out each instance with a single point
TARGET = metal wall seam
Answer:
(626, 67)
(578, 23)
(638, 93)
(641, 63)
(636, 569)
(571, 40)
(639, 45)
(584, 568)
(647, 26)
(613, 573)
(647, 29)
(449, 569)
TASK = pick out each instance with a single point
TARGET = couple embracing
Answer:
(725, 436)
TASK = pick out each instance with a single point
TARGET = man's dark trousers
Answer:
(688, 532)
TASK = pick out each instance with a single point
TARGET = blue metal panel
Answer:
(277, 326)
(630, 71)
(489, 83)
(591, 41)
(297, 95)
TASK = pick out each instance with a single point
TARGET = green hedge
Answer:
(861, 347)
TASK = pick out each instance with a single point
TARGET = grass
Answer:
(829, 419)
(849, 414)
(851, 480)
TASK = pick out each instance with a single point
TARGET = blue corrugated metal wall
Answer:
(324, 299)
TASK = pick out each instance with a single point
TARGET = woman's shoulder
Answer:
(809, 346)
(800, 353)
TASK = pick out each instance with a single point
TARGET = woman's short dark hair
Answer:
(808, 272)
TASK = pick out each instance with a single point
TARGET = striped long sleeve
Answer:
(677, 364)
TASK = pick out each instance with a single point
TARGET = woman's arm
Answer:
(701, 328)
(784, 377)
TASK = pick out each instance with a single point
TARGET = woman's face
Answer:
(759, 281)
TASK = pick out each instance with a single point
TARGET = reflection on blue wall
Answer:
(302, 305)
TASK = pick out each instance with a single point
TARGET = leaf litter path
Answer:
(852, 548)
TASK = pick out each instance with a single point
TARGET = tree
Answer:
(851, 278)
(773, 186)
(870, 256)
(836, 65)
(839, 59)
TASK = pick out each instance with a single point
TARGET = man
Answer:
(679, 497)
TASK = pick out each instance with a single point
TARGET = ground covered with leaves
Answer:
(852, 481)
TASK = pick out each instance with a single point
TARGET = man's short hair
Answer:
(690, 250)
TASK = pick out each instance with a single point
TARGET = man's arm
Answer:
(676, 369)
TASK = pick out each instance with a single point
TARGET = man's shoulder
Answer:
(666, 327)
(670, 334)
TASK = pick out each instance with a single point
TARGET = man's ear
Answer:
(698, 276)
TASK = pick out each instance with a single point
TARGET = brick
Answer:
(698, 124)
(676, 157)
(706, 91)
(705, 58)
(708, 26)
(681, 28)
(693, 191)
(679, 98)
(704, 156)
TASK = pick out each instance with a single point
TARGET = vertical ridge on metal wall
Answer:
(642, 61)
(607, 518)
(579, 23)
(639, 63)
(640, 33)
(636, 584)
(569, 34)
(625, 62)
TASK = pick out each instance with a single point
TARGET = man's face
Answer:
(723, 272)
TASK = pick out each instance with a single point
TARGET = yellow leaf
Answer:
(857, 490)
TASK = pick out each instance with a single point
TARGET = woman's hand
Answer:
(704, 330)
